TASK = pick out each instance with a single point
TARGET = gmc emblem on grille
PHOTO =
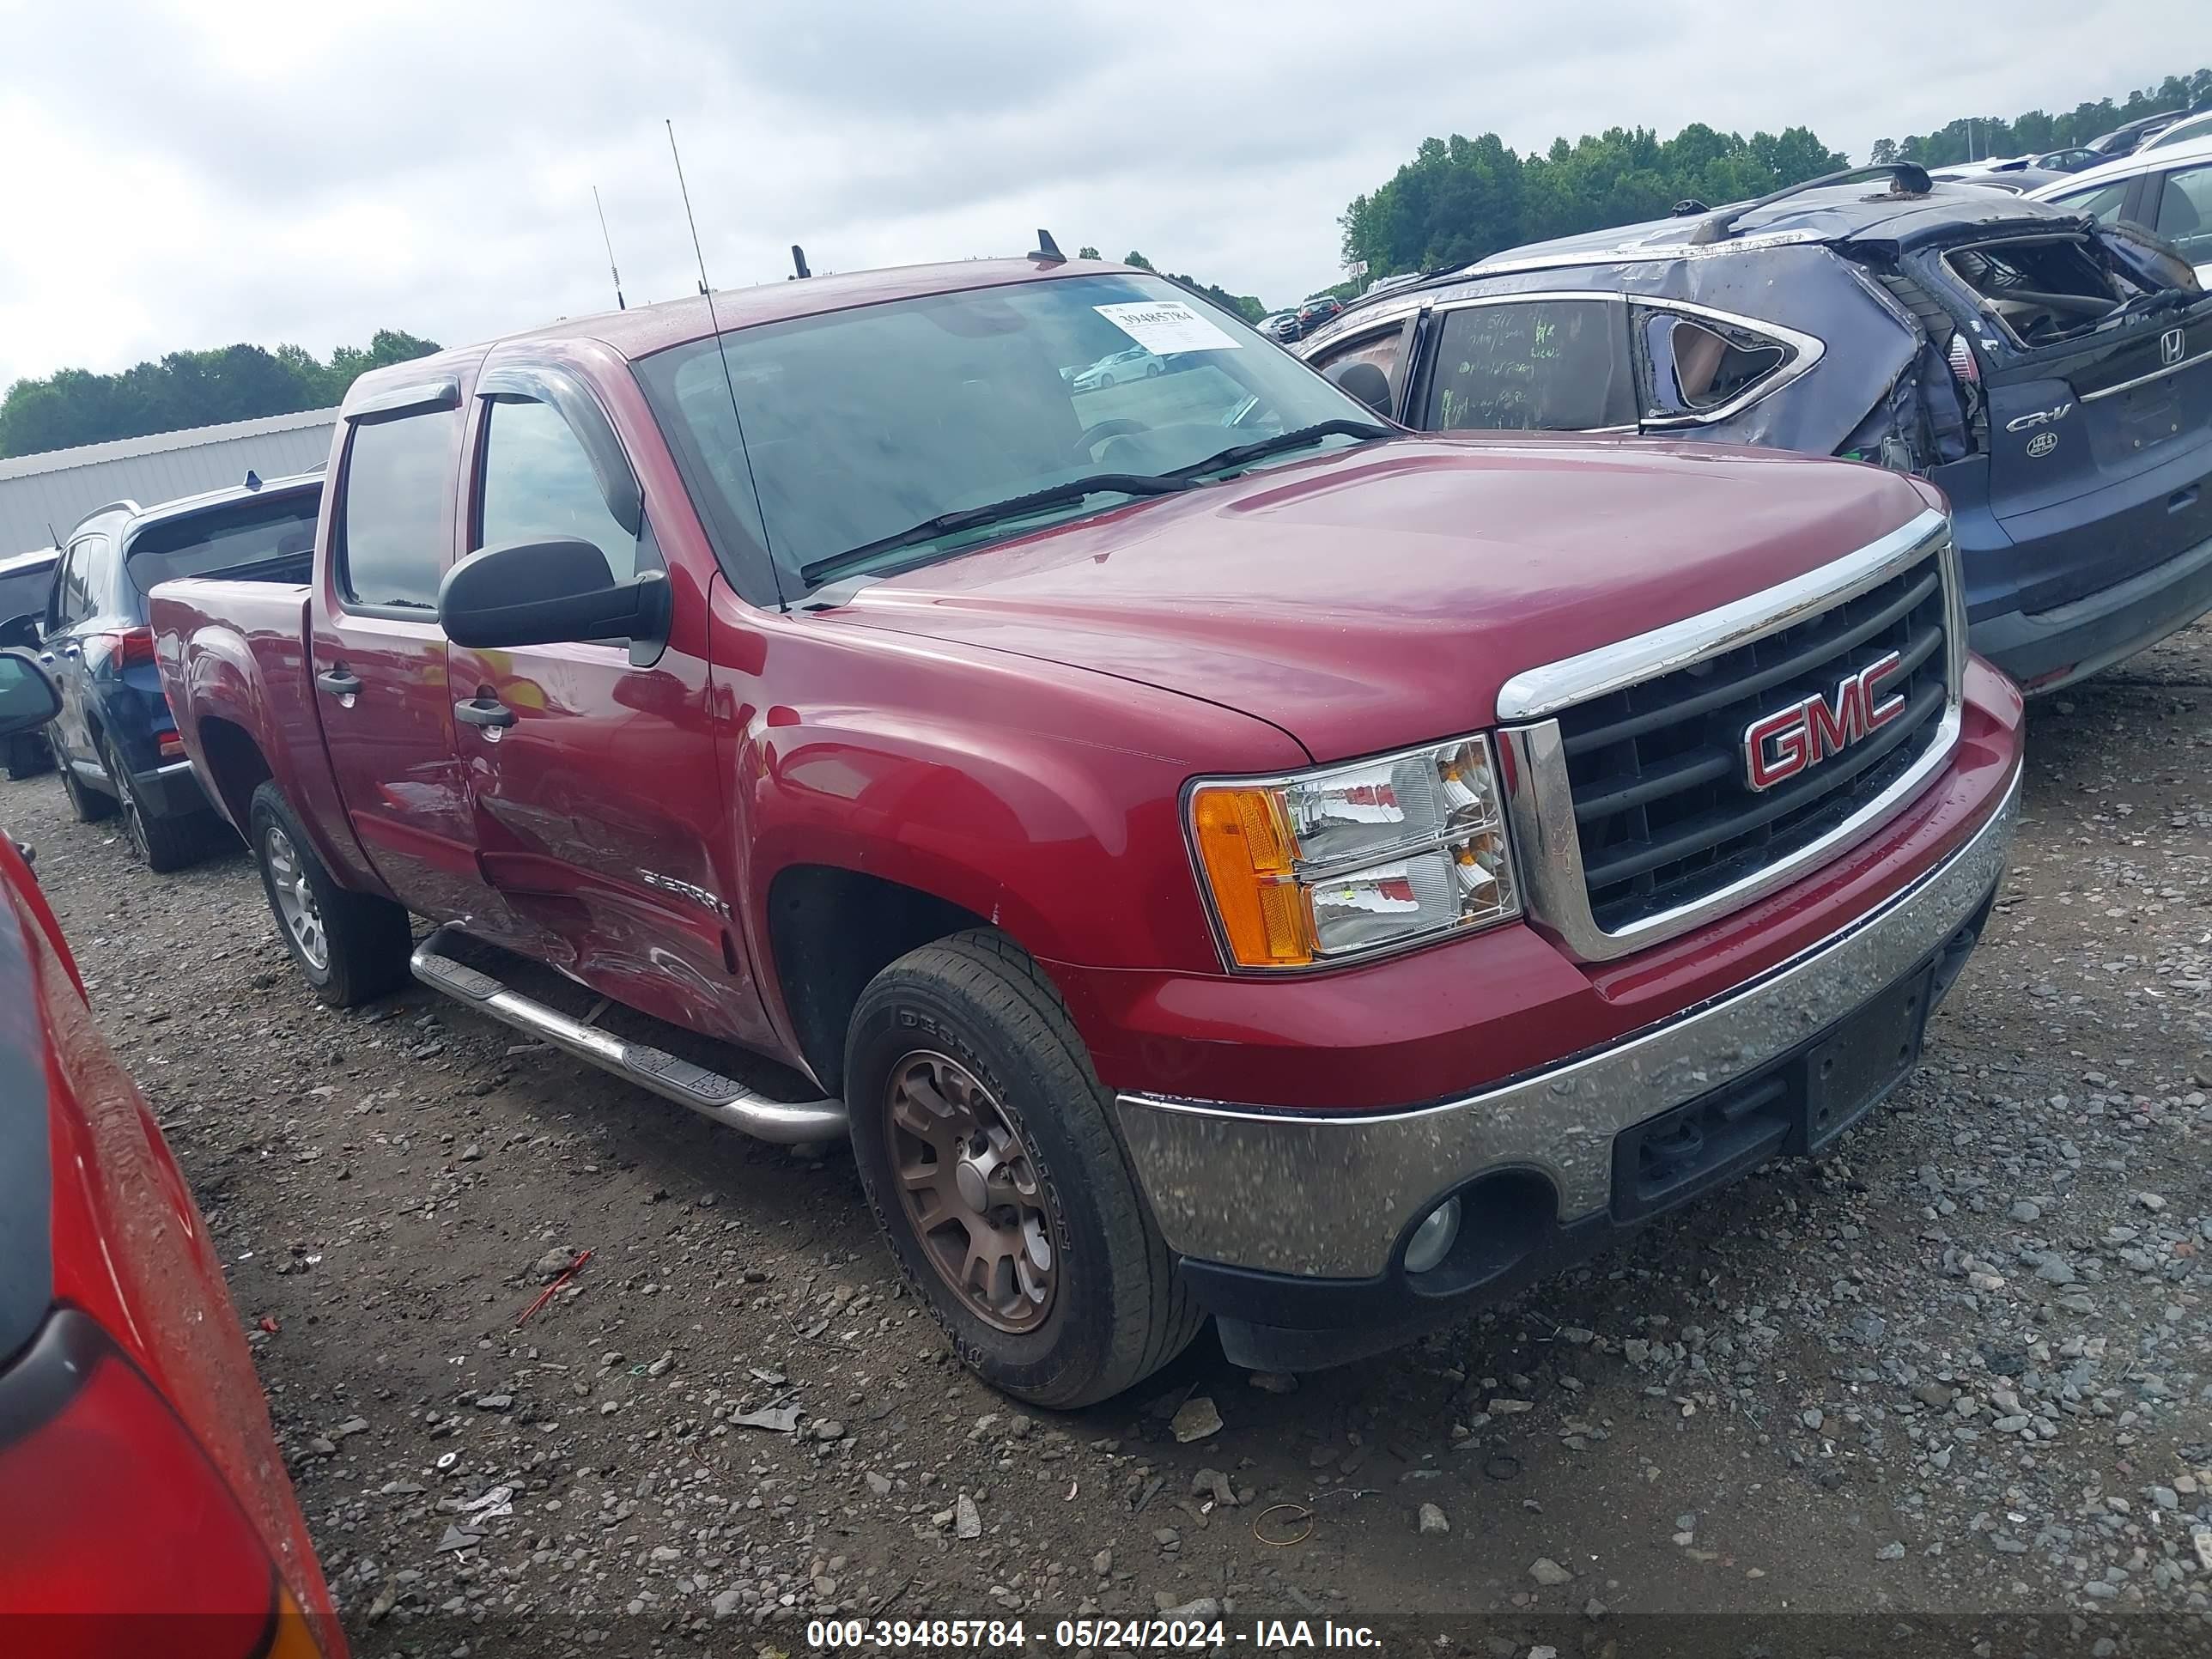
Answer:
(1779, 747)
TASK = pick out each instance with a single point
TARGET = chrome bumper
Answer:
(1330, 1194)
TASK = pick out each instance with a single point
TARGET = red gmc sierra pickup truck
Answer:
(1215, 853)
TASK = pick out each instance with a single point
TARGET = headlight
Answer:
(1348, 861)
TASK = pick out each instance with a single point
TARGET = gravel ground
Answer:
(1950, 1390)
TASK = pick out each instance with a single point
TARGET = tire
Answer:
(161, 844)
(1105, 381)
(90, 804)
(364, 939)
(1151, 369)
(28, 756)
(1115, 1312)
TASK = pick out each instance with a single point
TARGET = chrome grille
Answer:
(1662, 809)
(1630, 804)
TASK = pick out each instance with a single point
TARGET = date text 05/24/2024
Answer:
(1108, 1634)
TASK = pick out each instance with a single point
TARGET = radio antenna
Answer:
(723, 350)
(620, 303)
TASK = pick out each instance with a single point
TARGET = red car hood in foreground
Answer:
(1382, 596)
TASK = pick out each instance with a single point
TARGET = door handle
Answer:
(484, 711)
(339, 682)
(2182, 499)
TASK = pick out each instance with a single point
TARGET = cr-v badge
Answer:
(2040, 418)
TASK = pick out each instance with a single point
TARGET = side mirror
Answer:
(28, 697)
(20, 633)
(1367, 383)
(550, 593)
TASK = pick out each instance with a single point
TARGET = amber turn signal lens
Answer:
(1248, 849)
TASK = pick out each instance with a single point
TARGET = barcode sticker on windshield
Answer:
(1165, 325)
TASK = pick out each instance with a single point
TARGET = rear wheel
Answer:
(349, 946)
(91, 805)
(161, 844)
(983, 1140)
(28, 756)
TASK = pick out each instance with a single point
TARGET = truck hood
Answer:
(1380, 596)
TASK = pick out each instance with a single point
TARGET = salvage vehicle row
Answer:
(1216, 852)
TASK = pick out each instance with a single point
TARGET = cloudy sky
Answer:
(190, 174)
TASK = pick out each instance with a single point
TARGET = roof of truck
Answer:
(643, 329)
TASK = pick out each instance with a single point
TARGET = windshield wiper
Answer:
(1237, 454)
(1014, 507)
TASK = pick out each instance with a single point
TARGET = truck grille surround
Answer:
(1632, 803)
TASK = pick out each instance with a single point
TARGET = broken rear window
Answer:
(2041, 288)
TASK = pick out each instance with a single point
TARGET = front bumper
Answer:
(1292, 1225)
(2043, 650)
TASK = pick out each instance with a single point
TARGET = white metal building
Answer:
(43, 497)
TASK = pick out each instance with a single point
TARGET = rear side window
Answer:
(391, 518)
(273, 539)
(73, 593)
(1536, 365)
(1699, 365)
(2184, 212)
(538, 485)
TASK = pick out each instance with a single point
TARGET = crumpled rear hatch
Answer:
(2093, 353)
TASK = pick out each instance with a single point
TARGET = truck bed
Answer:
(238, 672)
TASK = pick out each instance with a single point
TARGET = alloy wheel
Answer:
(295, 898)
(968, 1183)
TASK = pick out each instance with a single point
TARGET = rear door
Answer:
(378, 657)
(68, 611)
(591, 768)
(2099, 434)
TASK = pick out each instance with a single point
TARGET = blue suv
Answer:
(114, 739)
(2051, 374)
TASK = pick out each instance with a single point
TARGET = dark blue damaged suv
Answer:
(2051, 374)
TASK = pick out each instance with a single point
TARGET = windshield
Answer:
(861, 424)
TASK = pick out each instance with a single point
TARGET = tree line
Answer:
(1462, 199)
(74, 406)
(1973, 137)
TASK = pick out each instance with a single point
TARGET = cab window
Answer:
(538, 485)
(1533, 365)
(392, 517)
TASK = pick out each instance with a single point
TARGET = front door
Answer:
(599, 815)
(379, 657)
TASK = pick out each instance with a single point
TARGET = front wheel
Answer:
(350, 946)
(983, 1140)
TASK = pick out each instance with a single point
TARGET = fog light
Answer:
(1432, 1240)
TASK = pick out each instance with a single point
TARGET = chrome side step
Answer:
(708, 1093)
